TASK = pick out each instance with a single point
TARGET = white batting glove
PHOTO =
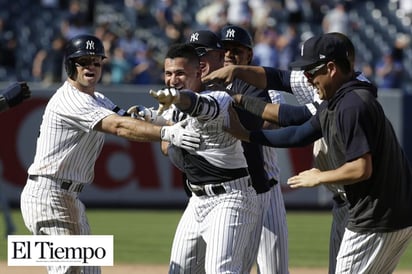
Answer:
(166, 97)
(148, 114)
(180, 137)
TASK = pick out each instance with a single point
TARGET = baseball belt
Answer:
(339, 199)
(202, 190)
(273, 182)
(64, 184)
(211, 189)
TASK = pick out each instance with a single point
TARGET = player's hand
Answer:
(223, 76)
(166, 97)
(16, 93)
(148, 114)
(307, 178)
(180, 137)
(235, 127)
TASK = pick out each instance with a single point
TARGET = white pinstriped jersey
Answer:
(306, 94)
(67, 146)
(271, 164)
(218, 147)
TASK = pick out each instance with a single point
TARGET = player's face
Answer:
(181, 74)
(89, 71)
(210, 60)
(236, 54)
(320, 78)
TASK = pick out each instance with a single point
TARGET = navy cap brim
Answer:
(303, 64)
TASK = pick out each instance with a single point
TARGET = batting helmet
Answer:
(236, 34)
(81, 45)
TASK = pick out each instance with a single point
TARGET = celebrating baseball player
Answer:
(295, 82)
(71, 137)
(271, 238)
(215, 229)
(366, 156)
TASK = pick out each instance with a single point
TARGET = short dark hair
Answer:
(183, 50)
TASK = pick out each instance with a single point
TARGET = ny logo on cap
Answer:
(89, 45)
(194, 37)
(230, 33)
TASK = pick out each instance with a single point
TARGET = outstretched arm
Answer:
(283, 114)
(292, 136)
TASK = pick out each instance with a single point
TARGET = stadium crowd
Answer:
(136, 34)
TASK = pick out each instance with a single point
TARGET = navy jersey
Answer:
(253, 152)
(353, 124)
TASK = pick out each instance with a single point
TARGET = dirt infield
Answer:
(148, 269)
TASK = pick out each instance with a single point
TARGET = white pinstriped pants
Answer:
(273, 253)
(214, 231)
(49, 210)
(370, 253)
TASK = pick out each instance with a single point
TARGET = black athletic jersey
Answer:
(353, 123)
(252, 152)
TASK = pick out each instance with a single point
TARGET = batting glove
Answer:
(16, 93)
(166, 97)
(148, 114)
(180, 137)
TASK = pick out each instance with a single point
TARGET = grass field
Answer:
(145, 236)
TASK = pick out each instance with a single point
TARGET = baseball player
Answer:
(215, 229)
(295, 82)
(71, 136)
(363, 149)
(272, 240)
(12, 96)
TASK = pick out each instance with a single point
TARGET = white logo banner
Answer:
(68, 250)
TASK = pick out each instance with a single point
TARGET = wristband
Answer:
(253, 105)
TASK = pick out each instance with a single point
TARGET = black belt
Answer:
(64, 184)
(338, 199)
(201, 191)
(273, 182)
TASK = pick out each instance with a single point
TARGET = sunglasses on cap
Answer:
(310, 74)
(202, 51)
(84, 62)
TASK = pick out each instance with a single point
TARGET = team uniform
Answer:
(67, 149)
(295, 82)
(273, 253)
(215, 228)
(269, 245)
(353, 124)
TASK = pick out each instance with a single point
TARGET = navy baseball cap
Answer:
(206, 39)
(320, 49)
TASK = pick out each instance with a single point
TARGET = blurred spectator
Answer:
(145, 70)
(8, 49)
(265, 52)
(213, 15)
(336, 20)
(177, 30)
(405, 6)
(138, 14)
(294, 10)
(288, 45)
(48, 63)
(260, 13)
(76, 21)
(130, 45)
(389, 71)
(239, 13)
(164, 13)
(120, 67)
